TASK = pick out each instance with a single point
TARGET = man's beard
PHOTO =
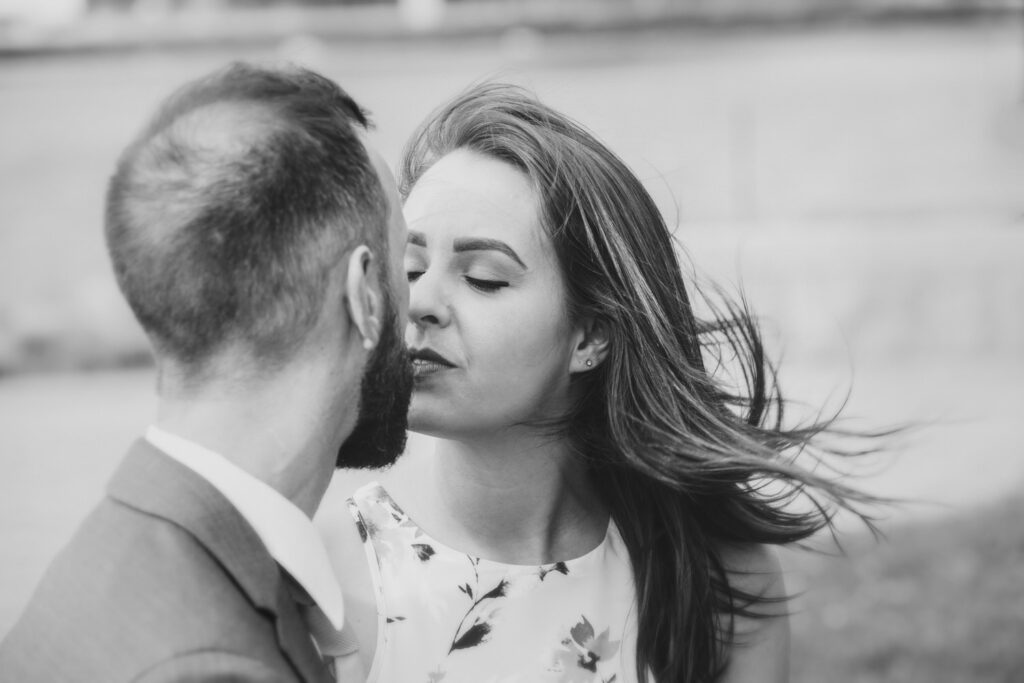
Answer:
(380, 432)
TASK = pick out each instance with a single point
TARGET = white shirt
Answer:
(288, 534)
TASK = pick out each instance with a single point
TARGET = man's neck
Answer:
(279, 431)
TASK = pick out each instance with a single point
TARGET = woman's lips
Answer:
(422, 367)
(426, 362)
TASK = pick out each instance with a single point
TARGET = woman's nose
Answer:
(428, 303)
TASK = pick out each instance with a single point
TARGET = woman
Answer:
(600, 505)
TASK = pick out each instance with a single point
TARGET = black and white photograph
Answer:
(511, 341)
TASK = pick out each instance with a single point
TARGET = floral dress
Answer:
(445, 616)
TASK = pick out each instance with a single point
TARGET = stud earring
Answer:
(590, 363)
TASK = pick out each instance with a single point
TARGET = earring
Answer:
(590, 363)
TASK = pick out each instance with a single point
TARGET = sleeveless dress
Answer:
(448, 617)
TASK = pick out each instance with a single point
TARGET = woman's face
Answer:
(488, 328)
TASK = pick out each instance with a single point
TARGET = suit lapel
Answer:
(152, 482)
(295, 638)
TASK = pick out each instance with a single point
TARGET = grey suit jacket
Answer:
(163, 581)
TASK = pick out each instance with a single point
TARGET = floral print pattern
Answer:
(449, 617)
(582, 652)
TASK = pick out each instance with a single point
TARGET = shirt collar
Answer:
(288, 534)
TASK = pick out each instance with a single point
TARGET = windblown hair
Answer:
(227, 214)
(688, 463)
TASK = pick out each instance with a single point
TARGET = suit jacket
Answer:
(163, 581)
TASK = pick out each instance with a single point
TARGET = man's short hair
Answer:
(227, 215)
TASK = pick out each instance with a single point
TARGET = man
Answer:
(259, 243)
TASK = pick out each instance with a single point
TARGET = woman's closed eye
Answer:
(485, 285)
(478, 283)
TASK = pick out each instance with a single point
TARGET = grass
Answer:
(939, 601)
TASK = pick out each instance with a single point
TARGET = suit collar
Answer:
(154, 483)
(284, 530)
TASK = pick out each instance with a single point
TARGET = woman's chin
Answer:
(424, 421)
(433, 423)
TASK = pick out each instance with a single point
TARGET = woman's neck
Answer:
(515, 499)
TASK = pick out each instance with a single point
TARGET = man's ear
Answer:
(363, 296)
(590, 346)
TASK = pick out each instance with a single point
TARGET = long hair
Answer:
(686, 462)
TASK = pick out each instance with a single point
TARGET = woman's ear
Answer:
(591, 346)
(362, 296)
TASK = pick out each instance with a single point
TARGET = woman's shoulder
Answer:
(760, 635)
(340, 533)
(333, 519)
(753, 568)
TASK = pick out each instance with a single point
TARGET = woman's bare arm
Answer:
(760, 653)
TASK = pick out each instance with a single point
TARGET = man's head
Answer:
(234, 215)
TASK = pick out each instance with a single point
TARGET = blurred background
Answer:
(857, 165)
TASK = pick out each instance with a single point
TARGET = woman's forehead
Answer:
(467, 194)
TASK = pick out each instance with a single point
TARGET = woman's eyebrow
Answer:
(484, 244)
(417, 239)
